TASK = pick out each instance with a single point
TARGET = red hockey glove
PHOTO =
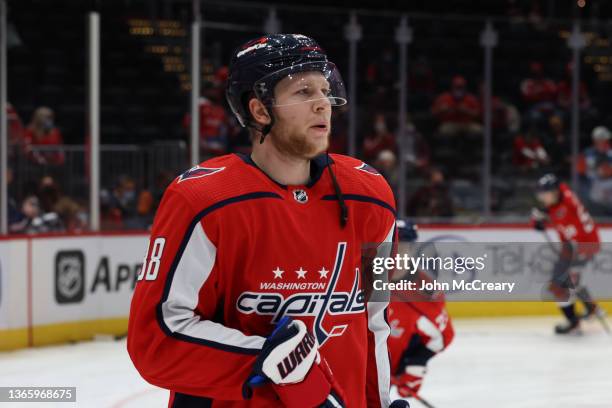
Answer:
(409, 383)
(318, 389)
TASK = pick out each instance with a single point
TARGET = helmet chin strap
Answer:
(339, 195)
(266, 129)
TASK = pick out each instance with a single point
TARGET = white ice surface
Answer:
(493, 363)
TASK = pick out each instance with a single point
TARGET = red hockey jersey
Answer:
(573, 222)
(427, 323)
(232, 251)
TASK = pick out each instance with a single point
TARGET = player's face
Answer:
(548, 198)
(302, 113)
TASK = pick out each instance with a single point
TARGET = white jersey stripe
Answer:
(377, 324)
(191, 273)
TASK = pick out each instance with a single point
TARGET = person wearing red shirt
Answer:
(15, 131)
(579, 237)
(214, 128)
(42, 132)
(539, 92)
(564, 92)
(528, 152)
(457, 110)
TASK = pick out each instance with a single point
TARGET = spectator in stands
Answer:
(539, 93)
(564, 92)
(214, 122)
(420, 148)
(528, 153)
(422, 85)
(127, 207)
(380, 139)
(386, 164)
(457, 110)
(15, 132)
(48, 193)
(505, 116)
(72, 213)
(557, 145)
(596, 165)
(34, 220)
(433, 199)
(14, 213)
(42, 132)
(52, 200)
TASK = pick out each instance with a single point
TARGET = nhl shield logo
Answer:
(300, 196)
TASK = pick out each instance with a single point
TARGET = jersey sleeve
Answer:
(174, 339)
(378, 379)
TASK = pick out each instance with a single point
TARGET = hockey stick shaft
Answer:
(420, 399)
(424, 402)
(604, 323)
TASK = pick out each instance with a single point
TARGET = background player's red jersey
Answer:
(426, 323)
(232, 251)
(573, 222)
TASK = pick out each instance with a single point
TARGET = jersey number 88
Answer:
(150, 265)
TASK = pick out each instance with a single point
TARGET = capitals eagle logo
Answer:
(199, 172)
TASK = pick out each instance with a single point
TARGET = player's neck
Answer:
(281, 168)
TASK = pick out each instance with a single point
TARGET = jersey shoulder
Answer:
(357, 177)
(215, 180)
(567, 195)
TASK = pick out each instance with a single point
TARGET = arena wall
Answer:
(56, 289)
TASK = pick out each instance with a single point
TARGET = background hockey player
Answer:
(419, 330)
(251, 293)
(563, 211)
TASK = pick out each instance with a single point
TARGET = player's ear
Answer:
(259, 112)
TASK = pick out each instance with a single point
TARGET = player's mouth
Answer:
(320, 127)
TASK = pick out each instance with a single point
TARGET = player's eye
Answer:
(304, 91)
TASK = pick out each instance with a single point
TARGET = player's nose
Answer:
(321, 104)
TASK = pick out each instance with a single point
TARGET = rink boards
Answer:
(58, 289)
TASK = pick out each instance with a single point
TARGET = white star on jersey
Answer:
(323, 272)
(278, 273)
(301, 273)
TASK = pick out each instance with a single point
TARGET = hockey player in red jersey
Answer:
(419, 331)
(579, 237)
(251, 293)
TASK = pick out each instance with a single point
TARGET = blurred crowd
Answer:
(443, 145)
(534, 133)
